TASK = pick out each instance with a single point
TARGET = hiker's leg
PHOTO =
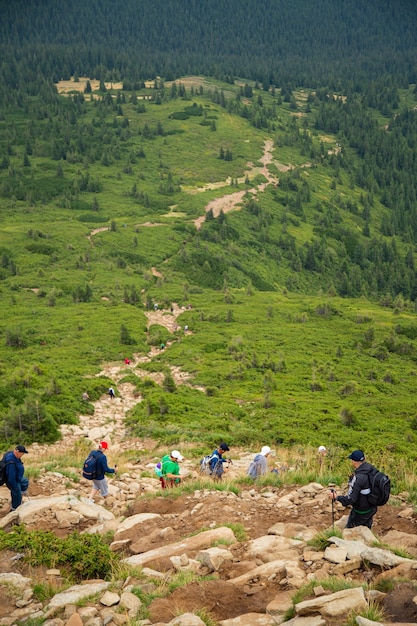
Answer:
(365, 519)
(358, 519)
(103, 487)
(16, 494)
(94, 488)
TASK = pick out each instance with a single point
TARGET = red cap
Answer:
(104, 445)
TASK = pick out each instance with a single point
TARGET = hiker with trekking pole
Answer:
(368, 488)
(95, 467)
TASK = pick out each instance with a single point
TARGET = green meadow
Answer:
(299, 333)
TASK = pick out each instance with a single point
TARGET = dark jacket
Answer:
(14, 470)
(359, 489)
(102, 467)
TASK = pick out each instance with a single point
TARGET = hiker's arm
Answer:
(171, 476)
(107, 469)
(353, 494)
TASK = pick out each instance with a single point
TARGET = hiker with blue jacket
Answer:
(15, 480)
(259, 465)
(216, 462)
(359, 488)
(100, 482)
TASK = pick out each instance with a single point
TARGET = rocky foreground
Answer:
(252, 579)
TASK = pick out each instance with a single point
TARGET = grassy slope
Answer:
(272, 362)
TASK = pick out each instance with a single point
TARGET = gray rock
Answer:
(192, 544)
(251, 619)
(313, 620)
(334, 605)
(186, 619)
(213, 558)
(76, 593)
(109, 598)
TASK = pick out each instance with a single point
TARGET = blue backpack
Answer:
(90, 465)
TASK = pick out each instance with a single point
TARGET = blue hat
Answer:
(357, 455)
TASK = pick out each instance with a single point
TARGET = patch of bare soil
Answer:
(222, 599)
(399, 604)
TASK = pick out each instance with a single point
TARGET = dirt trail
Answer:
(231, 201)
(95, 231)
(109, 414)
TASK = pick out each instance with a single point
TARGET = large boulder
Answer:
(334, 605)
(189, 545)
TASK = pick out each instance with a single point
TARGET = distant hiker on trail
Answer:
(15, 480)
(321, 456)
(259, 465)
(359, 488)
(127, 361)
(100, 481)
(170, 470)
(86, 397)
(111, 393)
(217, 461)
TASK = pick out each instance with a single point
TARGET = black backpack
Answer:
(380, 488)
(3, 464)
(90, 465)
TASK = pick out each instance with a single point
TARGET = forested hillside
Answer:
(298, 121)
(276, 42)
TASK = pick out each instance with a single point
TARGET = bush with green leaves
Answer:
(81, 556)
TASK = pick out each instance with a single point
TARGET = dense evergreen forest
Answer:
(275, 42)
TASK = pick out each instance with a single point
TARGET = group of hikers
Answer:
(360, 495)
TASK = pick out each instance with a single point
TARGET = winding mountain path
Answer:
(232, 201)
(107, 422)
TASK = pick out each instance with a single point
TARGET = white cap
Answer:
(322, 449)
(177, 455)
(265, 450)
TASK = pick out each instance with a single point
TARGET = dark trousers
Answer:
(361, 519)
(17, 491)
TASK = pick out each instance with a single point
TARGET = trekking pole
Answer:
(333, 491)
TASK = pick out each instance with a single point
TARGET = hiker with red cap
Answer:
(100, 481)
